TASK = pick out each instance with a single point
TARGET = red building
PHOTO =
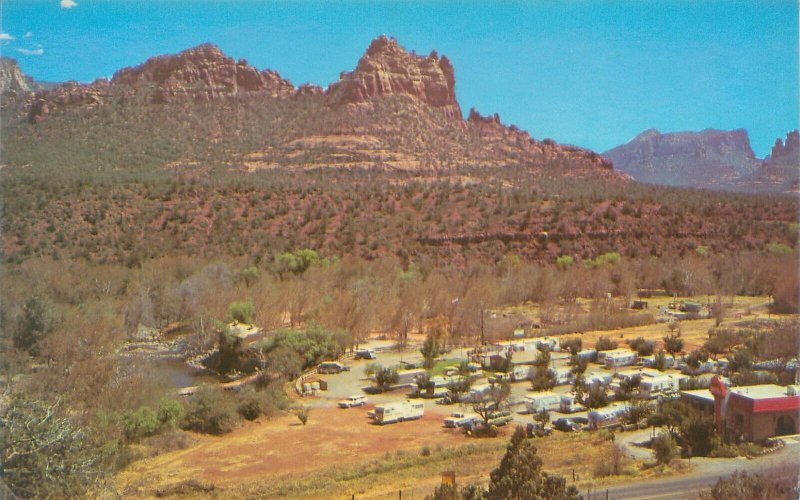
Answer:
(756, 412)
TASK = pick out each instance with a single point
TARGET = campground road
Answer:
(705, 474)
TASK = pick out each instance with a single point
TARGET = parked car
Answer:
(365, 354)
(353, 401)
(569, 424)
(332, 367)
(459, 419)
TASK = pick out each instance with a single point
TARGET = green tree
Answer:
(573, 345)
(35, 323)
(637, 411)
(458, 387)
(660, 361)
(605, 344)
(543, 379)
(425, 385)
(139, 423)
(241, 312)
(209, 411)
(596, 397)
(250, 275)
(430, 350)
(297, 262)
(492, 401)
(542, 416)
(385, 378)
(673, 343)
(520, 475)
(664, 448)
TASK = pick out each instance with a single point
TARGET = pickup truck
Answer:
(570, 424)
(458, 419)
(352, 401)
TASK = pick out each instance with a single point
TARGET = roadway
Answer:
(705, 472)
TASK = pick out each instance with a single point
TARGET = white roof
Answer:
(537, 395)
(699, 394)
(765, 391)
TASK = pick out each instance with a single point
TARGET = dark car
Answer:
(570, 424)
(536, 429)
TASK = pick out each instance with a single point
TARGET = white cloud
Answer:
(28, 34)
(68, 4)
(31, 52)
(6, 36)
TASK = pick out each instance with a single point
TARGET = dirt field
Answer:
(337, 454)
(331, 437)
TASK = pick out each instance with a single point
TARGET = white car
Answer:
(353, 401)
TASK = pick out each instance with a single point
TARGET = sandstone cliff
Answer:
(386, 69)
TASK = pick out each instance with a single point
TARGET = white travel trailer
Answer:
(563, 376)
(520, 372)
(587, 354)
(476, 392)
(597, 379)
(606, 417)
(650, 361)
(621, 357)
(603, 355)
(399, 411)
(655, 385)
(542, 401)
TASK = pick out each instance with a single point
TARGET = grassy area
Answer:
(438, 368)
(393, 472)
(416, 473)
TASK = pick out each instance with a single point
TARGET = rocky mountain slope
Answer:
(12, 80)
(200, 154)
(395, 110)
(715, 159)
(686, 158)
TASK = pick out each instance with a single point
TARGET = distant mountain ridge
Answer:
(395, 110)
(715, 159)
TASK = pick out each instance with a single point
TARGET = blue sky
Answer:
(593, 73)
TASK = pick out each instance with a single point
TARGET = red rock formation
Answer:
(202, 73)
(69, 94)
(308, 89)
(387, 68)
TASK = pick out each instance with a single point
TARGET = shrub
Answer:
(139, 423)
(170, 413)
(664, 448)
(744, 486)
(573, 345)
(209, 411)
(302, 413)
(605, 344)
(642, 346)
(596, 398)
(385, 378)
(241, 311)
(611, 463)
(250, 404)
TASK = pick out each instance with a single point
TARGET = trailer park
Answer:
(354, 417)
